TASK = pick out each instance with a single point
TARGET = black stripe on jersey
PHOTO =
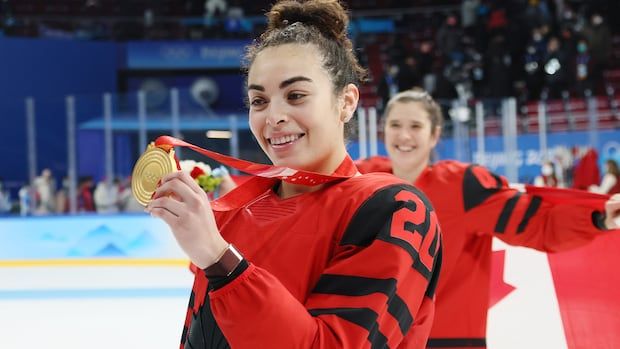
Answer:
(437, 259)
(363, 317)
(474, 193)
(347, 285)
(373, 221)
(184, 335)
(502, 221)
(529, 212)
(456, 342)
(203, 331)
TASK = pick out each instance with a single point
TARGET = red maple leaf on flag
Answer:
(499, 288)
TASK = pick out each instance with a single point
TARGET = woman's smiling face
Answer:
(409, 139)
(294, 113)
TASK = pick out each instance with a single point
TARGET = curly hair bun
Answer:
(328, 16)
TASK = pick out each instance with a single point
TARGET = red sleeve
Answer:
(377, 291)
(492, 207)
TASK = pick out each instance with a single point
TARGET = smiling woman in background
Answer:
(473, 206)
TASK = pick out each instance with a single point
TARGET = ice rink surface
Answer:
(125, 303)
(95, 307)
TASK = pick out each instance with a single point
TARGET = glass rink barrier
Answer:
(83, 268)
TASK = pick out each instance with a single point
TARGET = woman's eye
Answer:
(295, 96)
(257, 102)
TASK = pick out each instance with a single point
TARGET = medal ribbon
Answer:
(346, 170)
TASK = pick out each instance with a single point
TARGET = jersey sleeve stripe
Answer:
(432, 285)
(531, 210)
(363, 317)
(417, 263)
(502, 221)
(360, 286)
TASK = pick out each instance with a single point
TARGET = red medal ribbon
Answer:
(346, 170)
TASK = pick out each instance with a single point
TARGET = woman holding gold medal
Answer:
(309, 253)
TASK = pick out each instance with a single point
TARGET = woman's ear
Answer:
(350, 97)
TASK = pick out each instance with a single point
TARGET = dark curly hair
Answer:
(319, 22)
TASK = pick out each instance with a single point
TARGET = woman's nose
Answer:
(404, 134)
(277, 116)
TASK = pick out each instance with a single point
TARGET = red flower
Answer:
(196, 172)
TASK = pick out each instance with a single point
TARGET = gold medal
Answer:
(154, 164)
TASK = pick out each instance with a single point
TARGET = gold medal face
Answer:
(154, 164)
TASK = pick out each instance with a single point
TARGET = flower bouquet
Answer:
(207, 179)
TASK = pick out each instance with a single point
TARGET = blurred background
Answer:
(86, 84)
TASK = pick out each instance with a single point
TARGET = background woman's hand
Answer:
(185, 207)
(612, 212)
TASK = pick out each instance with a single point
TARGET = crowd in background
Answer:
(471, 48)
(529, 49)
(467, 49)
(43, 196)
(566, 168)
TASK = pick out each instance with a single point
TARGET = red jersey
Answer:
(473, 206)
(352, 265)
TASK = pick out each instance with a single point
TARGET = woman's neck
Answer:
(411, 174)
(286, 190)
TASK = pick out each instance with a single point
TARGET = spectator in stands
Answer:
(45, 189)
(498, 21)
(556, 68)
(449, 37)
(469, 16)
(582, 68)
(106, 196)
(62, 197)
(127, 201)
(497, 68)
(533, 64)
(425, 56)
(536, 14)
(5, 199)
(547, 177)
(215, 8)
(85, 200)
(481, 205)
(26, 196)
(444, 83)
(388, 85)
(409, 74)
(567, 18)
(610, 184)
(598, 35)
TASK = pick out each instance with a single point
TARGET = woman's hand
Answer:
(185, 207)
(612, 212)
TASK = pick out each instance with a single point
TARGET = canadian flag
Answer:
(560, 300)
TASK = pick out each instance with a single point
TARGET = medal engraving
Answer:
(154, 164)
